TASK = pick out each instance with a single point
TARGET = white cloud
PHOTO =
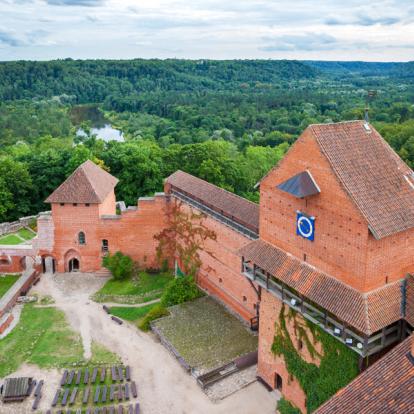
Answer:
(324, 29)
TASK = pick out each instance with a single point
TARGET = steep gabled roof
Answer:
(236, 208)
(367, 313)
(385, 387)
(87, 184)
(377, 180)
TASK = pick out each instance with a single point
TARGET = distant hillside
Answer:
(94, 80)
(363, 68)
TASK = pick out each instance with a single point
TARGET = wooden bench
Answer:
(96, 397)
(120, 393)
(70, 379)
(96, 410)
(134, 390)
(128, 373)
(64, 378)
(137, 410)
(86, 377)
(36, 402)
(85, 395)
(117, 320)
(120, 409)
(94, 374)
(56, 398)
(38, 388)
(111, 410)
(65, 396)
(126, 391)
(106, 309)
(104, 392)
(78, 377)
(103, 373)
(111, 392)
(114, 374)
(88, 411)
(73, 396)
(120, 373)
(131, 409)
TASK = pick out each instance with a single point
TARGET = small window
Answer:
(244, 299)
(81, 238)
(220, 280)
(304, 257)
(300, 344)
(87, 204)
(105, 245)
(62, 204)
(75, 204)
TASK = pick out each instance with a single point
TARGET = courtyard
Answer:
(22, 236)
(205, 334)
(70, 328)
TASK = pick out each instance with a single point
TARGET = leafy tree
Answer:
(120, 265)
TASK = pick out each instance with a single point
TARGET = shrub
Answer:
(179, 290)
(120, 265)
(285, 407)
(158, 311)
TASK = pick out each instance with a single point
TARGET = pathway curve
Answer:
(163, 385)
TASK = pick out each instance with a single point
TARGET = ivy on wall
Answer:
(338, 364)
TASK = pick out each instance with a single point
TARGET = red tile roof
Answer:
(87, 184)
(375, 177)
(236, 208)
(387, 387)
(367, 313)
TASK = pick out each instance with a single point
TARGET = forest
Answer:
(228, 122)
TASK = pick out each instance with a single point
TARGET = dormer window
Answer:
(81, 237)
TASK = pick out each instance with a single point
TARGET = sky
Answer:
(371, 30)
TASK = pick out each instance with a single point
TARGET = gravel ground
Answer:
(163, 385)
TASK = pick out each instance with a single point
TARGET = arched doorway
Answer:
(278, 382)
(72, 261)
(48, 264)
(74, 265)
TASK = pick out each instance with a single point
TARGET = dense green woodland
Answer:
(227, 122)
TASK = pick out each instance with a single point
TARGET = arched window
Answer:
(81, 237)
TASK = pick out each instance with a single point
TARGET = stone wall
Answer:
(14, 226)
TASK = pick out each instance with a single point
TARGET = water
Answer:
(107, 133)
(100, 125)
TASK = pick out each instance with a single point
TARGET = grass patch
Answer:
(6, 282)
(26, 234)
(130, 313)
(43, 337)
(46, 300)
(205, 334)
(138, 289)
(10, 239)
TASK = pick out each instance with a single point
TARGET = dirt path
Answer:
(163, 385)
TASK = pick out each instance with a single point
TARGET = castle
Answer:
(332, 239)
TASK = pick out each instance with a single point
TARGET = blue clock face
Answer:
(305, 226)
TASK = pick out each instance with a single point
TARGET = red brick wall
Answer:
(269, 364)
(131, 233)
(343, 246)
(220, 273)
(15, 265)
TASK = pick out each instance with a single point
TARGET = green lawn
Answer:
(142, 288)
(43, 337)
(26, 234)
(6, 282)
(131, 313)
(10, 239)
(205, 334)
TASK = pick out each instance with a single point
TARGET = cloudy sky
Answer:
(380, 30)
